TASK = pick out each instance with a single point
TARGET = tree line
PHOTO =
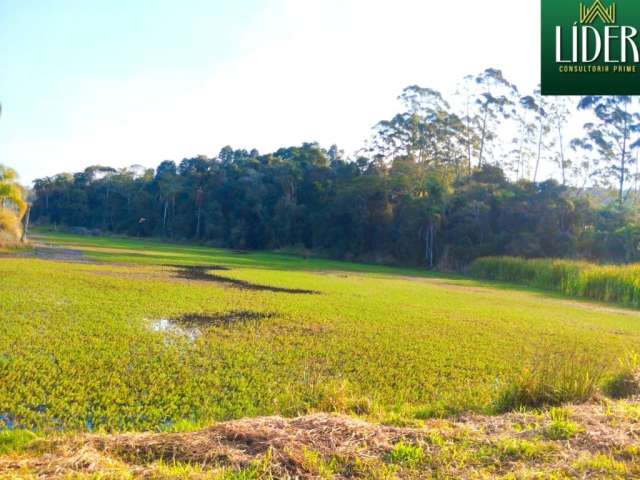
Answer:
(440, 183)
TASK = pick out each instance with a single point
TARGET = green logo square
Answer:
(590, 47)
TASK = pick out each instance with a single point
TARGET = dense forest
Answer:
(439, 184)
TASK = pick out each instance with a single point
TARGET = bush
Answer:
(616, 283)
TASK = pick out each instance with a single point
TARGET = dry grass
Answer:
(241, 442)
(10, 227)
(588, 441)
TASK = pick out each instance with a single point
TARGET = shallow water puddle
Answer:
(228, 319)
(194, 325)
(165, 325)
(203, 273)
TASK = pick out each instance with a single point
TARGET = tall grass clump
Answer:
(626, 381)
(612, 283)
(552, 380)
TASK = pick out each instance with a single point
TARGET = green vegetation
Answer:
(83, 346)
(616, 284)
(15, 440)
(561, 427)
(516, 449)
(407, 455)
(604, 465)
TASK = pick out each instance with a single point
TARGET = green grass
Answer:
(15, 440)
(393, 345)
(602, 464)
(407, 455)
(561, 426)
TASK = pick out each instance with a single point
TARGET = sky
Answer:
(124, 82)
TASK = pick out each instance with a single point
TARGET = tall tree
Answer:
(168, 185)
(559, 112)
(537, 104)
(427, 131)
(614, 135)
(494, 102)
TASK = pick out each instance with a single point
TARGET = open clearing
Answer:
(147, 336)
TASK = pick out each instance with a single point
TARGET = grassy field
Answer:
(125, 339)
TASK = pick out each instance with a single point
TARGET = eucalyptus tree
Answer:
(559, 113)
(494, 101)
(588, 171)
(167, 184)
(614, 135)
(519, 159)
(427, 131)
(470, 121)
(538, 106)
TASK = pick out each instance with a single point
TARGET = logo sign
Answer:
(591, 47)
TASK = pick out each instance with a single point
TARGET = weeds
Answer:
(317, 466)
(601, 463)
(561, 427)
(407, 455)
(517, 449)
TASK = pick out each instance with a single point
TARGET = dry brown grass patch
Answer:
(241, 442)
(465, 447)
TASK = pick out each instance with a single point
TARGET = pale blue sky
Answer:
(124, 82)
